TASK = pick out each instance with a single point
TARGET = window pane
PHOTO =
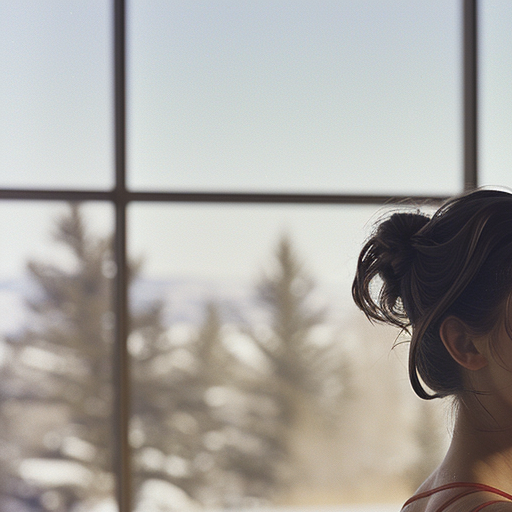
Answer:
(323, 96)
(55, 94)
(255, 381)
(495, 94)
(56, 334)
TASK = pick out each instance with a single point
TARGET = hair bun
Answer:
(389, 254)
(395, 237)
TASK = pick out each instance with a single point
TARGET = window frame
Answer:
(120, 197)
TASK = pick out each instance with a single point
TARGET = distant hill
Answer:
(184, 298)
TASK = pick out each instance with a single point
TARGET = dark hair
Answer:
(459, 262)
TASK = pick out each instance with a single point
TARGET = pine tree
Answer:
(216, 447)
(299, 368)
(238, 424)
(61, 363)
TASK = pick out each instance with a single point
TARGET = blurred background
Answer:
(255, 383)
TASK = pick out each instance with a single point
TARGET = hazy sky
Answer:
(295, 95)
(317, 96)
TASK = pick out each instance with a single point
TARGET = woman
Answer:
(448, 281)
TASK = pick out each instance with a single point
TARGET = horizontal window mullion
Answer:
(212, 197)
(56, 195)
(276, 198)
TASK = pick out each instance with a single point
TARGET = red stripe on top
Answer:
(472, 488)
(486, 504)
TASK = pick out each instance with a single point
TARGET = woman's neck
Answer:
(479, 452)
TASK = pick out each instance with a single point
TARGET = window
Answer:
(161, 193)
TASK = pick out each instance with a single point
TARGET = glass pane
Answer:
(56, 334)
(306, 96)
(495, 94)
(255, 380)
(56, 94)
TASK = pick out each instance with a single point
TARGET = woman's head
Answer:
(456, 264)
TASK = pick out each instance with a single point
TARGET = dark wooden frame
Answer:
(120, 197)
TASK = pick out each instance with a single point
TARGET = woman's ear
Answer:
(460, 344)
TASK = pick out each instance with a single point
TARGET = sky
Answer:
(275, 96)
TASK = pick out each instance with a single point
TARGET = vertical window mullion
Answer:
(470, 99)
(121, 362)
